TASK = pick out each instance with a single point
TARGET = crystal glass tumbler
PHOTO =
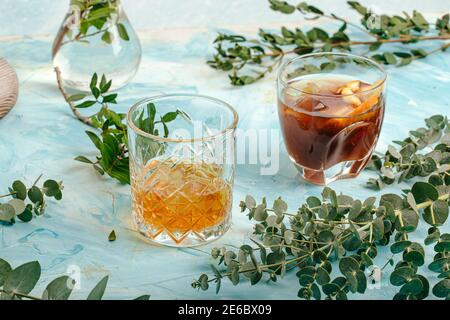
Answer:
(331, 109)
(182, 161)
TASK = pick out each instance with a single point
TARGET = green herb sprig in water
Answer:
(111, 138)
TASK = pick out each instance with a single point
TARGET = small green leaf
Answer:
(123, 32)
(86, 104)
(77, 97)
(83, 159)
(112, 236)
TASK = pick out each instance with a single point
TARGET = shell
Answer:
(9, 87)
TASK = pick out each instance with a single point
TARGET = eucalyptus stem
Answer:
(21, 295)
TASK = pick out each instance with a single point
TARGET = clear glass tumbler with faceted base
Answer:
(182, 180)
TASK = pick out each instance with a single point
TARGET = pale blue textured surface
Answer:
(41, 135)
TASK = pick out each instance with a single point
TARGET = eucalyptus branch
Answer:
(248, 60)
(342, 229)
(406, 162)
(17, 207)
(18, 283)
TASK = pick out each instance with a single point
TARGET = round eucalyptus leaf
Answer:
(229, 256)
(250, 202)
(414, 254)
(319, 256)
(279, 206)
(51, 188)
(330, 289)
(255, 278)
(442, 246)
(348, 264)
(362, 282)
(308, 270)
(407, 220)
(442, 288)
(18, 205)
(313, 202)
(304, 293)
(203, 280)
(58, 196)
(400, 246)
(35, 195)
(412, 287)
(437, 213)
(401, 275)
(438, 264)
(340, 281)
(366, 259)
(248, 269)
(288, 236)
(20, 189)
(7, 212)
(353, 282)
(341, 295)
(352, 243)
(26, 215)
(260, 213)
(322, 276)
(393, 200)
(305, 280)
(325, 236)
(424, 191)
(247, 249)
(425, 288)
(355, 210)
(315, 291)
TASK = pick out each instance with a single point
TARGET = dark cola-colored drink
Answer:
(331, 122)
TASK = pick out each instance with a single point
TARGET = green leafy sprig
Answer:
(404, 163)
(112, 141)
(95, 18)
(18, 283)
(248, 60)
(338, 230)
(19, 208)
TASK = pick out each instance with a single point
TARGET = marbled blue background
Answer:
(40, 135)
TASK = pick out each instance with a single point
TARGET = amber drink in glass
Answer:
(182, 184)
(331, 109)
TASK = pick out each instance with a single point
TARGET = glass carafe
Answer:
(96, 36)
